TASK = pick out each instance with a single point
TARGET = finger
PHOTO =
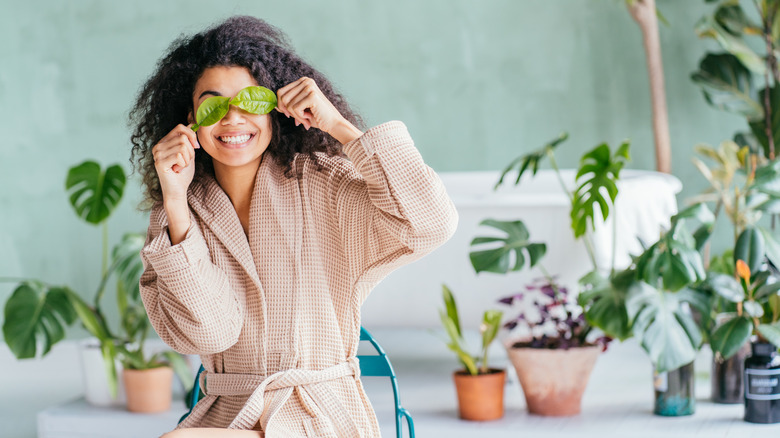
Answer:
(304, 109)
(176, 168)
(287, 92)
(189, 133)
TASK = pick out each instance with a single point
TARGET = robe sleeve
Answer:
(393, 208)
(189, 300)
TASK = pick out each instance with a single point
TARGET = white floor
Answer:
(617, 403)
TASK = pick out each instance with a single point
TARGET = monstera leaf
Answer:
(597, 175)
(36, 315)
(94, 193)
(728, 85)
(531, 161)
(497, 258)
(604, 302)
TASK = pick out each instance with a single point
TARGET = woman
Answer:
(268, 231)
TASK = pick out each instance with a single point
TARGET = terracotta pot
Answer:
(480, 397)
(149, 390)
(553, 381)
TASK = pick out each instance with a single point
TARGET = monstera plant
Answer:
(37, 313)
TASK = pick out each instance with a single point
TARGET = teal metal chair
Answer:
(370, 365)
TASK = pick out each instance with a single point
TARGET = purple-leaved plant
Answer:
(560, 323)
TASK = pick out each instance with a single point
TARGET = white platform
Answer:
(617, 403)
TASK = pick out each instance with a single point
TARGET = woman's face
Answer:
(236, 142)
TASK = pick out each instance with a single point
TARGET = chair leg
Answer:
(409, 422)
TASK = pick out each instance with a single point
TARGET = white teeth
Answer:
(238, 139)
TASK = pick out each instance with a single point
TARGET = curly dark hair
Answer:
(165, 100)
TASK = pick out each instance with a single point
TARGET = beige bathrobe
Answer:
(275, 315)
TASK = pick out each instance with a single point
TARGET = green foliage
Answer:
(598, 173)
(531, 160)
(605, 302)
(497, 258)
(255, 100)
(728, 85)
(93, 193)
(488, 331)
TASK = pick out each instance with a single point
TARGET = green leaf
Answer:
(34, 313)
(491, 321)
(726, 286)
(531, 160)
(669, 335)
(708, 27)
(88, 317)
(750, 248)
(731, 335)
(94, 194)
(451, 309)
(180, 368)
(497, 256)
(766, 290)
(758, 127)
(728, 85)
(108, 349)
(771, 332)
(256, 100)
(733, 19)
(211, 111)
(126, 261)
(604, 303)
(598, 174)
(753, 309)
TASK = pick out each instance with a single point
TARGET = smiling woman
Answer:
(269, 229)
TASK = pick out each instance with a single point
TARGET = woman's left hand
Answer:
(305, 102)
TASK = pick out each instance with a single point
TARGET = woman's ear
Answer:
(190, 119)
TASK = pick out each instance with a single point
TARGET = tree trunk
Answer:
(644, 13)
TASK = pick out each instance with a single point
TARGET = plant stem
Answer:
(614, 240)
(105, 248)
(771, 66)
(585, 238)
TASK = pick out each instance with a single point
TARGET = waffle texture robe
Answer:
(275, 314)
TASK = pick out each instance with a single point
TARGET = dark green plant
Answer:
(729, 80)
(491, 320)
(37, 313)
(255, 99)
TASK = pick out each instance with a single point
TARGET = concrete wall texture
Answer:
(477, 82)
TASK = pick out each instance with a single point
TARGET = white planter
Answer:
(96, 389)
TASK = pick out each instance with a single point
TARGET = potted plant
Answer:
(37, 313)
(742, 188)
(564, 329)
(480, 389)
(555, 353)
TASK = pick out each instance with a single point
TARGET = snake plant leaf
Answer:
(598, 173)
(256, 100)
(731, 335)
(708, 27)
(36, 316)
(94, 194)
(531, 160)
(211, 111)
(726, 286)
(667, 332)
(604, 303)
(728, 85)
(750, 248)
(758, 127)
(455, 345)
(497, 258)
(771, 332)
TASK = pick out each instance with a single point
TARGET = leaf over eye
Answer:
(211, 111)
(256, 100)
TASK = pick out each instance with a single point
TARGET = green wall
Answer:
(477, 82)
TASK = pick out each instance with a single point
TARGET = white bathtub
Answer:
(411, 296)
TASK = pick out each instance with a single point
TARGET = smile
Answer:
(235, 140)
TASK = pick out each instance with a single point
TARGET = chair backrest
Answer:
(370, 365)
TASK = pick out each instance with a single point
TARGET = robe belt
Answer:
(283, 383)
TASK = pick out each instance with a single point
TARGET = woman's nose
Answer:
(233, 116)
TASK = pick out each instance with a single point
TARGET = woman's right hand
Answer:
(174, 160)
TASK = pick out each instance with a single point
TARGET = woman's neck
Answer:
(238, 183)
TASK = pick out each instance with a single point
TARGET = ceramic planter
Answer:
(480, 397)
(149, 390)
(674, 392)
(727, 377)
(553, 381)
(96, 388)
